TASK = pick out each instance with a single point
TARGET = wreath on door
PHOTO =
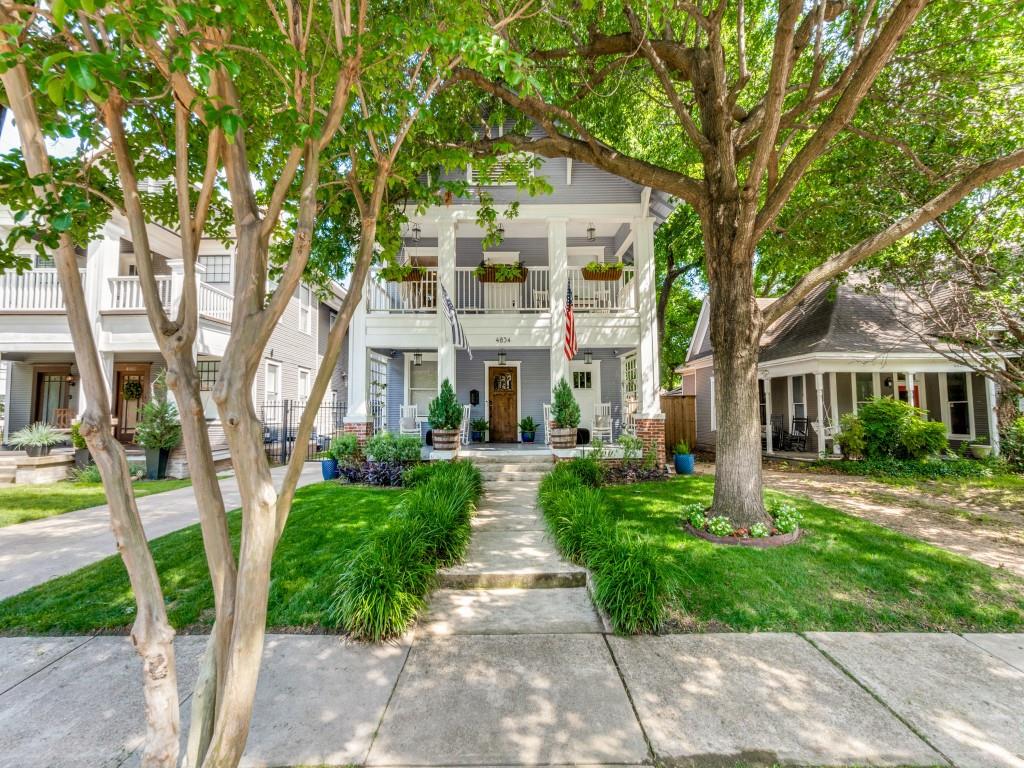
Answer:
(132, 390)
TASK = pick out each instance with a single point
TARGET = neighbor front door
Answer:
(129, 394)
(502, 394)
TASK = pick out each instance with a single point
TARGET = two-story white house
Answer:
(41, 382)
(401, 345)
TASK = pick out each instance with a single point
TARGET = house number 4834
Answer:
(503, 340)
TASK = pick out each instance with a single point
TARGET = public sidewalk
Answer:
(37, 551)
(717, 699)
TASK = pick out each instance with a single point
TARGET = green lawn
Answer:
(20, 503)
(326, 523)
(845, 574)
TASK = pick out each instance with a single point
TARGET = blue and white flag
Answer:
(458, 335)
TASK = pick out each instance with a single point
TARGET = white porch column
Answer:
(558, 286)
(445, 277)
(358, 411)
(993, 414)
(819, 389)
(768, 442)
(177, 267)
(647, 360)
(102, 260)
(910, 387)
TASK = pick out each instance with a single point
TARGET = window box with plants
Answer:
(478, 430)
(528, 429)
(684, 460)
(159, 432)
(37, 439)
(445, 416)
(565, 416)
(598, 270)
(403, 273)
(490, 272)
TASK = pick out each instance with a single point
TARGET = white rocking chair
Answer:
(602, 427)
(464, 426)
(547, 423)
(408, 423)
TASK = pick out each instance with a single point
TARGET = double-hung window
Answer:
(798, 404)
(207, 370)
(305, 309)
(958, 405)
(422, 385)
(218, 269)
(303, 385)
(272, 386)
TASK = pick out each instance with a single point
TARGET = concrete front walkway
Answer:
(717, 699)
(37, 551)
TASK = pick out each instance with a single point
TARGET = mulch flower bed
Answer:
(744, 539)
(784, 528)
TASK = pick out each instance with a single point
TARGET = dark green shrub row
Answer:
(913, 469)
(631, 583)
(888, 428)
(383, 586)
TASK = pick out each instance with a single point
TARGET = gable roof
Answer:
(833, 318)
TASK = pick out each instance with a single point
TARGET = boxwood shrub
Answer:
(631, 582)
(384, 585)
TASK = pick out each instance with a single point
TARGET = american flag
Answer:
(570, 327)
(459, 339)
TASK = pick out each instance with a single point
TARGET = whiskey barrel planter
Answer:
(768, 542)
(563, 437)
(446, 439)
(489, 274)
(608, 275)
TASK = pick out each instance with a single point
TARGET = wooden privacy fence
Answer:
(680, 420)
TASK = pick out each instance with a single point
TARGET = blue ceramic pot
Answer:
(684, 463)
(528, 437)
(329, 468)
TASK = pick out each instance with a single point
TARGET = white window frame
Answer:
(378, 365)
(792, 402)
(428, 357)
(266, 381)
(714, 413)
(204, 257)
(302, 391)
(944, 406)
(305, 309)
(876, 386)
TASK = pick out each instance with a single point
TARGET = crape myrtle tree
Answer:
(731, 106)
(279, 123)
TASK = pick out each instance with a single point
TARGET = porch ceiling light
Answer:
(417, 358)
(588, 357)
(591, 232)
(416, 232)
(502, 357)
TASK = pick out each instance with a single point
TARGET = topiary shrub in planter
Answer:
(159, 432)
(37, 439)
(565, 416)
(445, 416)
(82, 457)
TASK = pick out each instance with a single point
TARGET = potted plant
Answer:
(36, 439)
(565, 416)
(683, 458)
(490, 272)
(477, 429)
(445, 416)
(82, 457)
(402, 273)
(980, 448)
(598, 270)
(159, 432)
(528, 429)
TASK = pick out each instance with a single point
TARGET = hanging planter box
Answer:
(488, 273)
(607, 275)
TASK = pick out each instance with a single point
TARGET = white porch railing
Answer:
(603, 295)
(215, 303)
(413, 296)
(531, 295)
(37, 290)
(126, 293)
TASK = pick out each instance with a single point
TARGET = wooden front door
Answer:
(130, 380)
(503, 394)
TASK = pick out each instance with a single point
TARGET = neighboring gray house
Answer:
(35, 344)
(835, 350)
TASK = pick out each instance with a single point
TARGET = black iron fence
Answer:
(281, 424)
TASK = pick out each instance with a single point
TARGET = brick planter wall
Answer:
(363, 430)
(652, 433)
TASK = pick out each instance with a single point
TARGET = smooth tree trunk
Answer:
(151, 632)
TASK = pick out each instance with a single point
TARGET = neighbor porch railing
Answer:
(126, 293)
(531, 295)
(215, 303)
(37, 290)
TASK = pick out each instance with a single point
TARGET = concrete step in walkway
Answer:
(511, 612)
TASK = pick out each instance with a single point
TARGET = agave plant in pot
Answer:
(565, 416)
(159, 432)
(445, 416)
(528, 429)
(37, 439)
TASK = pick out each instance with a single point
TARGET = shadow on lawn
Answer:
(845, 574)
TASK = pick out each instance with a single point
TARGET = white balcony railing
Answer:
(35, 291)
(215, 303)
(412, 296)
(126, 293)
(603, 295)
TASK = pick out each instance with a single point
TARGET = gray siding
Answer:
(292, 348)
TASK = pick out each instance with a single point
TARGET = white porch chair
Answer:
(629, 409)
(408, 423)
(602, 426)
(830, 429)
(547, 423)
(464, 426)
